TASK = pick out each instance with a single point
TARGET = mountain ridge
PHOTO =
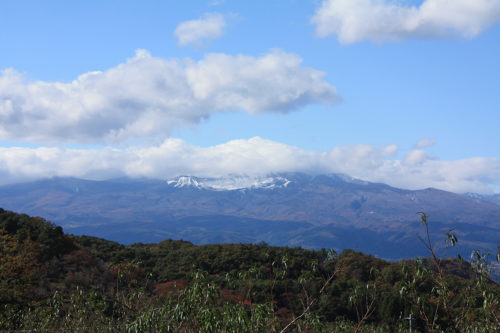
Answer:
(313, 211)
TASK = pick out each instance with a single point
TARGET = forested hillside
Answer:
(50, 280)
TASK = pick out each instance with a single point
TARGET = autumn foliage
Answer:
(53, 281)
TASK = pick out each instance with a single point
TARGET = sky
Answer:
(394, 91)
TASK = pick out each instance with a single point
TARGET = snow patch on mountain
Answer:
(230, 183)
(349, 179)
(491, 198)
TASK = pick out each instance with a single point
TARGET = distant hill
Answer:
(293, 209)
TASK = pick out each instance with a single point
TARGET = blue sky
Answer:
(400, 92)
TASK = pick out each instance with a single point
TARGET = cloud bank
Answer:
(255, 156)
(147, 97)
(211, 26)
(383, 20)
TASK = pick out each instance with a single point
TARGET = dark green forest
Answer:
(51, 281)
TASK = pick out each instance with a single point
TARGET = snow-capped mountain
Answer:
(293, 209)
(272, 181)
(230, 183)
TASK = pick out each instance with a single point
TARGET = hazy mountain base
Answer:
(391, 245)
(50, 282)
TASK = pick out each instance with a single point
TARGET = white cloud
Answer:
(379, 20)
(211, 26)
(390, 150)
(425, 142)
(147, 97)
(255, 156)
(414, 157)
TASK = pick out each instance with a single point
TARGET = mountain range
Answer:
(292, 209)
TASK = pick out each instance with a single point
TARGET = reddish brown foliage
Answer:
(228, 295)
(163, 289)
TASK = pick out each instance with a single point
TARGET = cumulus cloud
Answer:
(390, 150)
(256, 155)
(383, 20)
(210, 26)
(147, 97)
(414, 157)
(425, 142)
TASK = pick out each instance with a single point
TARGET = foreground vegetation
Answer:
(51, 281)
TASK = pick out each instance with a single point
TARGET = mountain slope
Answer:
(286, 209)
